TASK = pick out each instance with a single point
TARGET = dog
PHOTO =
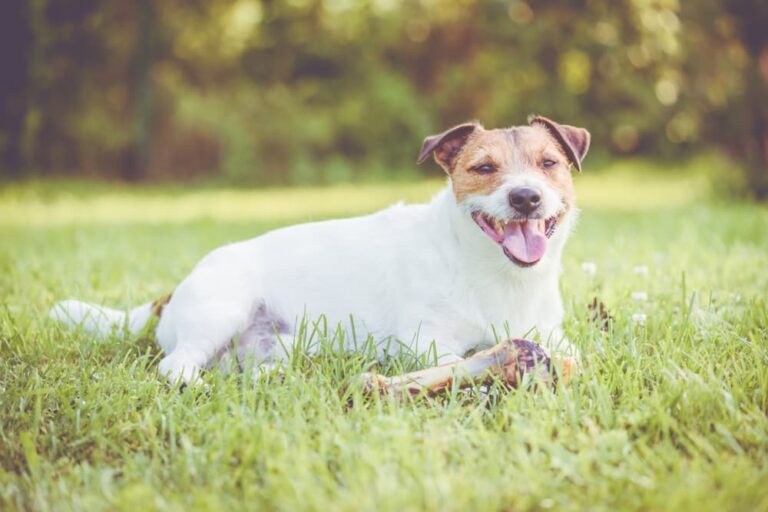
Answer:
(482, 256)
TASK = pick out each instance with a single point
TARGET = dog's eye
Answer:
(547, 163)
(484, 168)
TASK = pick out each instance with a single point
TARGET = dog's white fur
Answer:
(419, 274)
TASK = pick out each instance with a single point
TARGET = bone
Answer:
(507, 362)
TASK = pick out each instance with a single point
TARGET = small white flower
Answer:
(547, 503)
(641, 270)
(640, 296)
(589, 268)
(639, 318)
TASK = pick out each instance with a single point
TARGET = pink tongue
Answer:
(525, 241)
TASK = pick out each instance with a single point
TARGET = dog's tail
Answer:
(100, 320)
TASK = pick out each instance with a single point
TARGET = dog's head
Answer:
(516, 182)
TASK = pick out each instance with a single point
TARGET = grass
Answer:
(669, 414)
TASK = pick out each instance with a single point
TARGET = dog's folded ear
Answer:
(573, 140)
(447, 145)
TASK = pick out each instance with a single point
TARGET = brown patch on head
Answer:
(484, 148)
(479, 160)
(510, 151)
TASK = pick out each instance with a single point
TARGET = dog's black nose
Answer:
(524, 200)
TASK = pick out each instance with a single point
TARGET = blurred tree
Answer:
(752, 110)
(15, 48)
(286, 91)
(144, 93)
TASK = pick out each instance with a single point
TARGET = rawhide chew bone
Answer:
(508, 362)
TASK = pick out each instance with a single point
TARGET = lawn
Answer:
(668, 413)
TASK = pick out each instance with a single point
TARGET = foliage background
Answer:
(309, 91)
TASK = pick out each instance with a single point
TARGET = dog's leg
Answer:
(433, 344)
(205, 314)
(183, 365)
(223, 342)
(267, 353)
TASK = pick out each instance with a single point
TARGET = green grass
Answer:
(666, 415)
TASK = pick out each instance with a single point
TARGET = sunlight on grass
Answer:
(630, 186)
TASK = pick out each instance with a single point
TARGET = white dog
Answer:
(482, 257)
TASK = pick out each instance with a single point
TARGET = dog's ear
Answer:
(574, 140)
(447, 145)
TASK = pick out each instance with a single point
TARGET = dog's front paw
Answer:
(180, 370)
